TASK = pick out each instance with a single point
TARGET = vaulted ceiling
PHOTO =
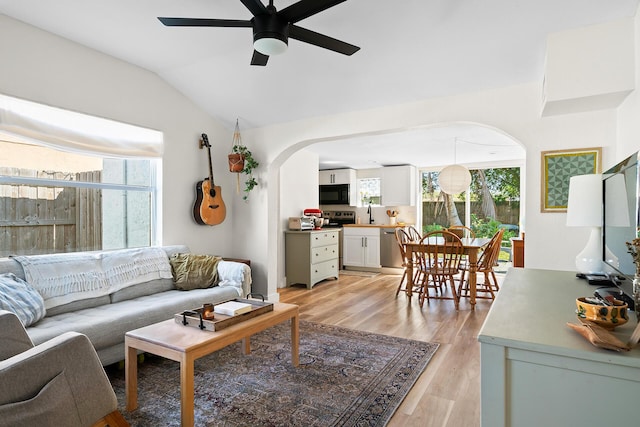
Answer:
(410, 49)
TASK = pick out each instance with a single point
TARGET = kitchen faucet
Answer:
(369, 213)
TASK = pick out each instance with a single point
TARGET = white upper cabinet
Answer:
(338, 176)
(398, 186)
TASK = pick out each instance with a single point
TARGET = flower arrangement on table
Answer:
(633, 248)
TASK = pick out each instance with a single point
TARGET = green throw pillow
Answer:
(192, 271)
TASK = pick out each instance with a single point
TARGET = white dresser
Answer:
(311, 256)
(536, 371)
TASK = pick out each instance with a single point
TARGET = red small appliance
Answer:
(317, 213)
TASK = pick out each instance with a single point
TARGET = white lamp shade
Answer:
(454, 179)
(584, 207)
(270, 46)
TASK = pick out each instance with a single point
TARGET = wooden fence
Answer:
(38, 219)
(506, 212)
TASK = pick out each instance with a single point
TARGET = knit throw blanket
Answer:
(68, 277)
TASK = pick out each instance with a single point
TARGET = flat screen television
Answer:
(620, 219)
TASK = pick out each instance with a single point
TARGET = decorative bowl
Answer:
(607, 316)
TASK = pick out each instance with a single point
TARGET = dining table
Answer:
(472, 247)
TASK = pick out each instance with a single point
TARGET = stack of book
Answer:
(232, 308)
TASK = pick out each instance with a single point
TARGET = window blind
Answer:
(76, 132)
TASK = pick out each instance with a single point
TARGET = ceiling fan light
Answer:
(270, 46)
(454, 179)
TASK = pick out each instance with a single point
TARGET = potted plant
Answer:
(241, 161)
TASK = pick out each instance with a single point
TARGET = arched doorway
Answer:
(491, 147)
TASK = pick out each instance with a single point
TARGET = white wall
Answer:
(44, 68)
(629, 111)
(298, 188)
(589, 68)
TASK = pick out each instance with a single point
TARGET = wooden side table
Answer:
(517, 247)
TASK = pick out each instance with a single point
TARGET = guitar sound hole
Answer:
(212, 192)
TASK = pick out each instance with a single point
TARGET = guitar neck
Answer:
(205, 142)
(210, 166)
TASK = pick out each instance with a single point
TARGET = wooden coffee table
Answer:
(186, 344)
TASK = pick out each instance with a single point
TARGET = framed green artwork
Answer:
(558, 167)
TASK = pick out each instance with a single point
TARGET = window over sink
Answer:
(369, 191)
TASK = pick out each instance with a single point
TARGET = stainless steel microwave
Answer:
(334, 194)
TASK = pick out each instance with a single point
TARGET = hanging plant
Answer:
(241, 161)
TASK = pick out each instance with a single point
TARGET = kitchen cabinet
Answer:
(536, 371)
(311, 256)
(361, 247)
(338, 176)
(398, 186)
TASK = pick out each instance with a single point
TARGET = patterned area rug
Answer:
(345, 378)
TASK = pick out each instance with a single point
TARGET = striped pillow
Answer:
(20, 298)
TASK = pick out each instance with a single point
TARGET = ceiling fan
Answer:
(272, 28)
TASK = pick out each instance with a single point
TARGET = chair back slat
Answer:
(402, 237)
(414, 235)
(491, 252)
(462, 231)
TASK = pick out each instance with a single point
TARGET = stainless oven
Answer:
(334, 194)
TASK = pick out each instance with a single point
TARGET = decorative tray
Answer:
(194, 317)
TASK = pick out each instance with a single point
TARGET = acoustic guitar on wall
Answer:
(209, 208)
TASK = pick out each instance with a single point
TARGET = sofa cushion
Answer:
(142, 289)
(78, 305)
(20, 298)
(10, 265)
(191, 271)
(106, 325)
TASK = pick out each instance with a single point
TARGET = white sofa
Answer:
(105, 319)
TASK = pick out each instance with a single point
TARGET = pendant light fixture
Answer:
(454, 179)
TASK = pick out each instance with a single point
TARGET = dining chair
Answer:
(440, 262)
(402, 237)
(414, 235)
(462, 231)
(486, 263)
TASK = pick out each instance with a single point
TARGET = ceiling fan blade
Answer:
(259, 59)
(202, 22)
(320, 40)
(305, 8)
(256, 7)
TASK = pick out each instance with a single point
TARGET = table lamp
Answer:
(584, 209)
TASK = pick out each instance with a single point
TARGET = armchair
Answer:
(59, 382)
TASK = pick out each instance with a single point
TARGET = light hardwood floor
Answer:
(448, 391)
